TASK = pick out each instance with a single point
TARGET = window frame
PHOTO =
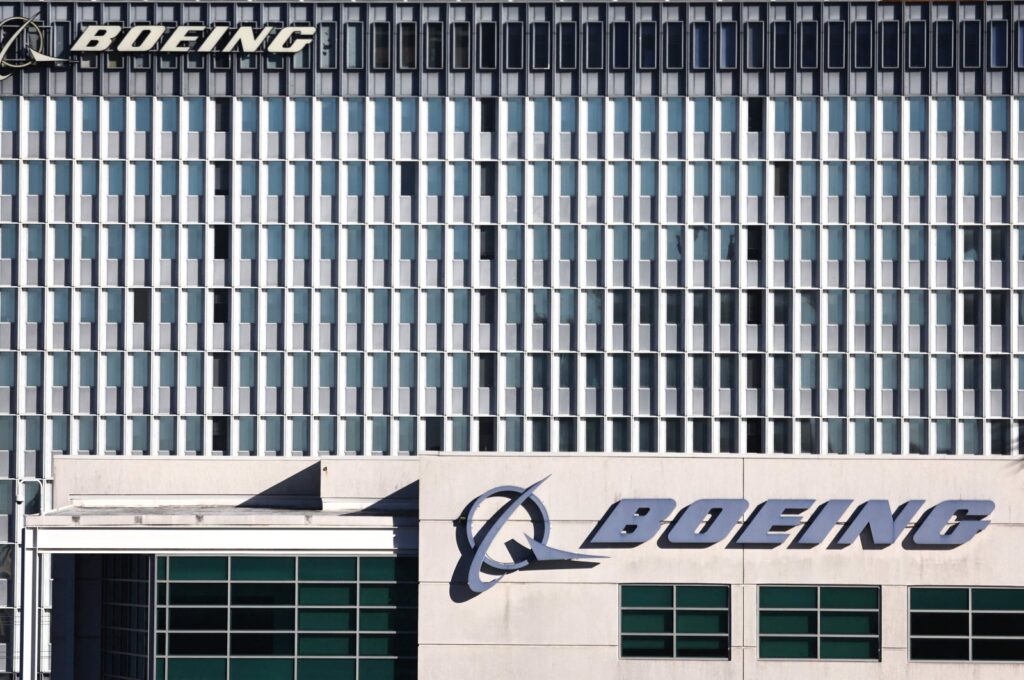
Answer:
(964, 26)
(855, 63)
(747, 52)
(802, 34)
(506, 29)
(735, 44)
(614, 27)
(882, 26)
(481, 45)
(588, 46)
(456, 26)
(828, 45)
(357, 28)
(427, 28)
(969, 611)
(776, 27)
(1018, 45)
(674, 611)
(937, 64)
(573, 29)
(817, 634)
(910, 45)
(708, 59)
(406, 25)
(679, 64)
(1006, 45)
(640, 26)
(544, 26)
(385, 28)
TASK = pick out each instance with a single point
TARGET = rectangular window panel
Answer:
(808, 45)
(998, 52)
(541, 46)
(460, 46)
(819, 622)
(917, 44)
(970, 44)
(407, 46)
(353, 47)
(674, 54)
(755, 45)
(620, 46)
(594, 46)
(433, 34)
(966, 624)
(1020, 44)
(647, 45)
(782, 48)
(835, 35)
(487, 45)
(567, 46)
(701, 41)
(681, 621)
(890, 44)
(381, 47)
(944, 44)
(514, 46)
(863, 45)
(727, 45)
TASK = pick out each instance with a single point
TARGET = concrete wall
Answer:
(563, 623)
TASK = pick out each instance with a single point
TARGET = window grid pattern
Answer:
(819, 622)
(229, 618)
(125, 619)
(683, 621)
(966, 624)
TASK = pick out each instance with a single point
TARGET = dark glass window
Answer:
(967, 624)
(755, 45)
(594, 46)
(407, 46)
(683, 621)
(727, 45)
(1020, 44)
(460, 46)
(835, 35)
(620, 46)
(819, 622)
(782, 48)
(434, 36)
(917, 44)
(514, 45)
(997, 44)
(381, 47)
(487, 44)
(970, 46)
(647, 45)
(674, 54)
(944, 44)
(541, 47)
(567, 46)
(222, 242)
(701, 45)
(890, 47)
(808, 45)
(863, 47)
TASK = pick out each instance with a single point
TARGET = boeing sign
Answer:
(804, 522)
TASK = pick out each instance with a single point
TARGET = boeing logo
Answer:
(537, 549)
(21, 45)
(803, 522)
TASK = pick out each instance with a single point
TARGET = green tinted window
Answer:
(327, 568)
(967, 624)
(263, 568)
(199, 568)
(812, 622)
(675, 621)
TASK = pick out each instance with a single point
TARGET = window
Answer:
(682, 621)
(674, 54)
(808, 45)
(647, 45)
(701, 40)
(819, 622)
(890, 47)
(835, 36)
(944, 44)
(966, 624)
(756, 45)
(434, 46)
(1020, 44)
(460, 46)
(727, 45)
(540, 46)
(487, 44)
(381, 48)
(781, 47)
(407, 46)
(594, 35)
(514, 45)
(997, 48)
(970, 44)
(917, 44)
(620, 46)
(567, 46)
(862, 45)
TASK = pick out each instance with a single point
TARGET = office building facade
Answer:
(632, 230)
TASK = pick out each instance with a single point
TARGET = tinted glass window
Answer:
(997, 38)
(674, 45)
(917, 44)
(755, 45)
(487, 44)
(890, 47)
(862, 44)
(541, 51)
(727, 45)
(567, 46)
(434, 34)
(514, 45)
(620, 46)
(808, 44)
(460, 45)
(971, 44)
(781, 46)
(944, 44)
(701, 45)
(836, 35)
(595, 46)
(647, 45)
